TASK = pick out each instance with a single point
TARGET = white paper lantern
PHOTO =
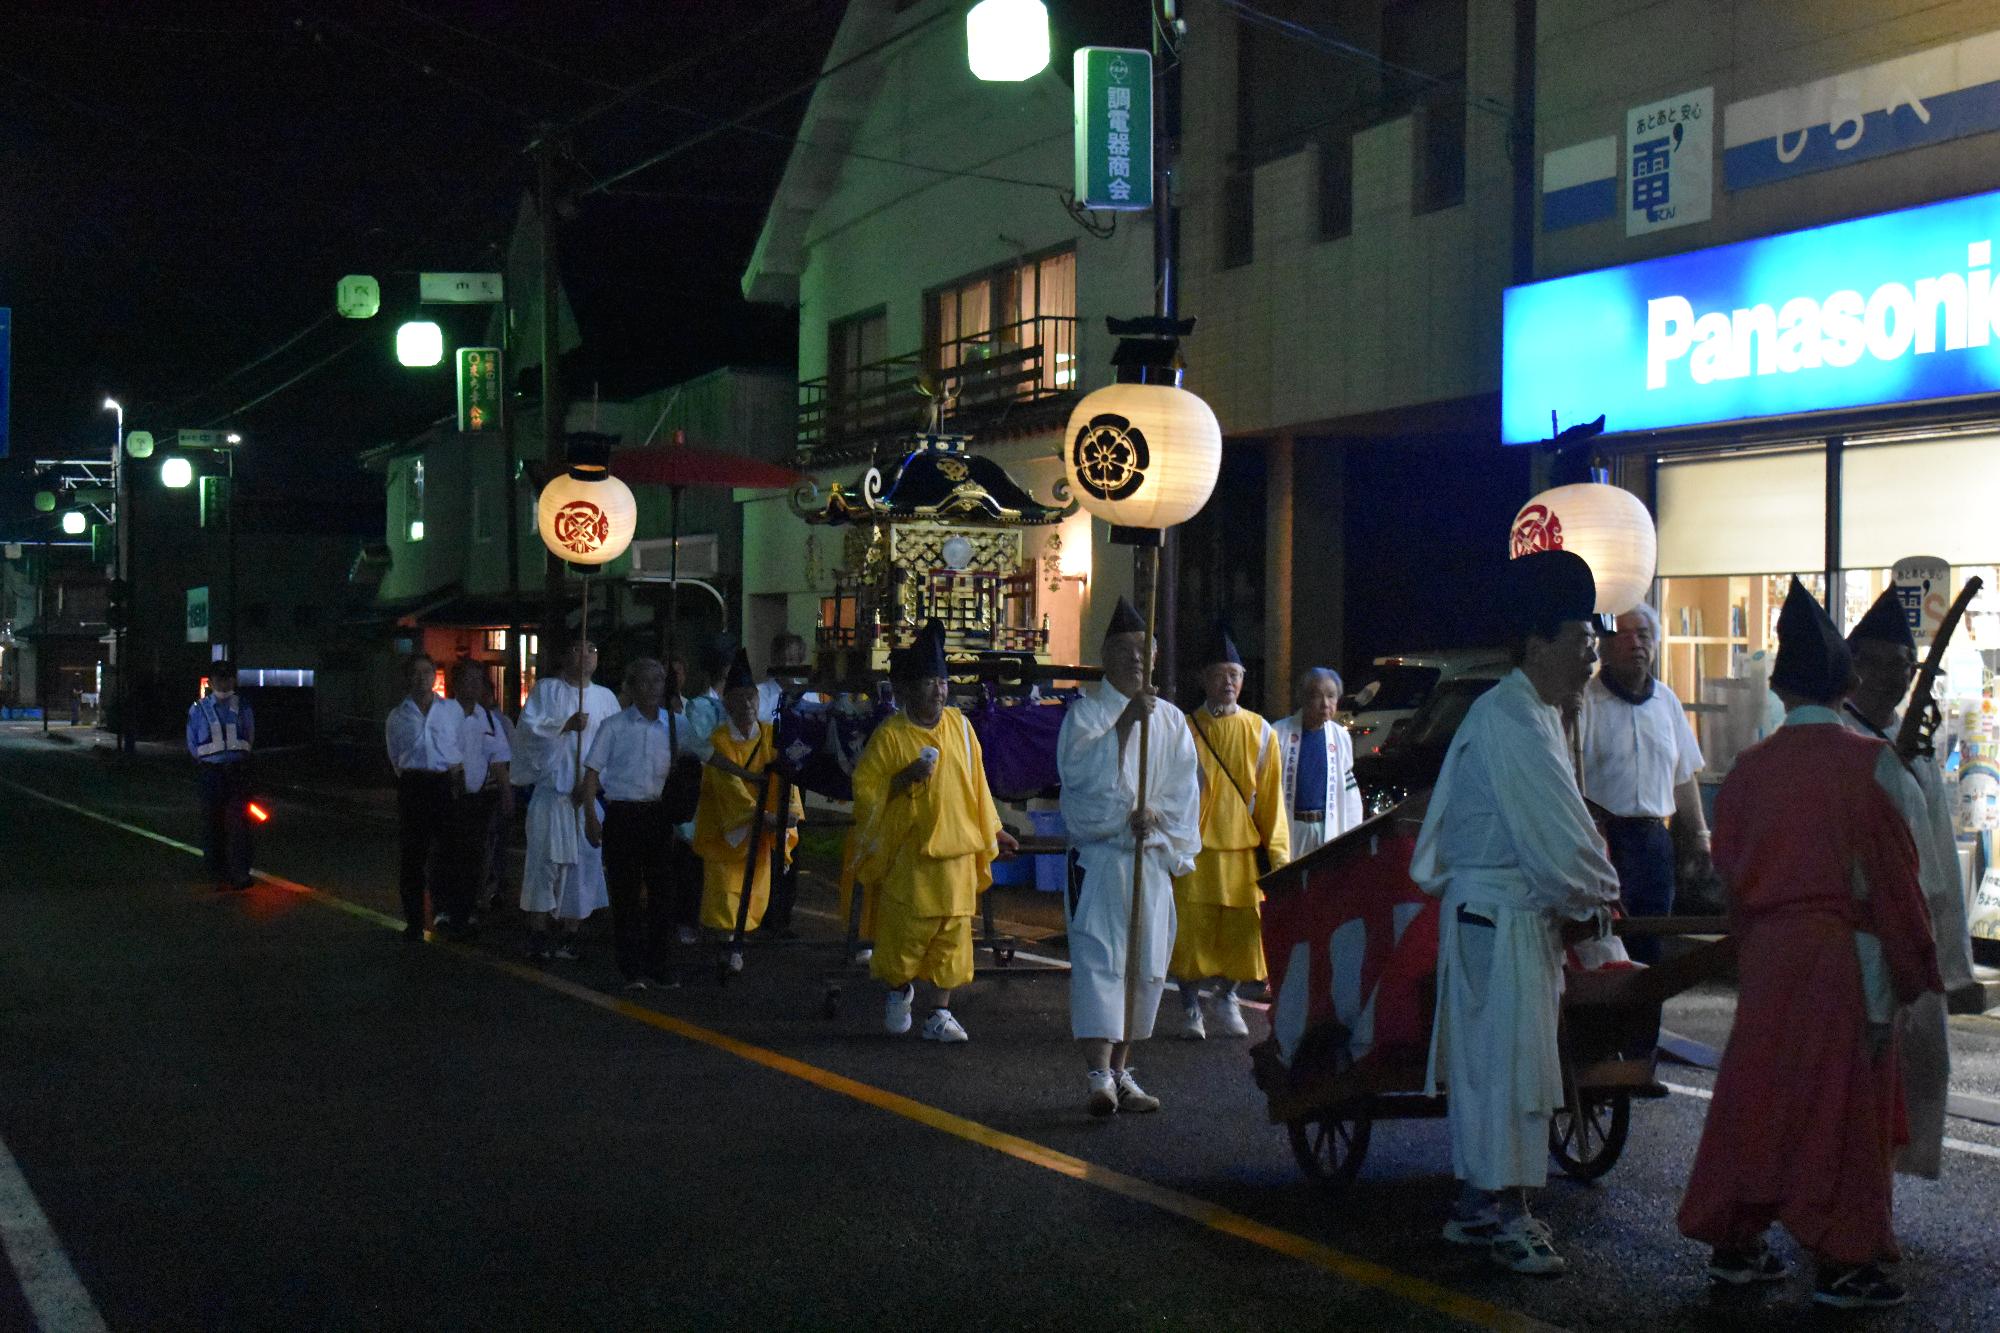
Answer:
(1142, 455)
(1007, 41)
(587, 519)
(1606, 525)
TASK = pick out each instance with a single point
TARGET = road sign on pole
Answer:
(197, 615)
(460, 288)
(202, 439)
(1114, 128)
(479, 396)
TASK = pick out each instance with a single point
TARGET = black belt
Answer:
(1627, 821)
(635, 805)
(1309, 816)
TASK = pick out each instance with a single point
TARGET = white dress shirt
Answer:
(410, 748)
(473, 741)
(1634, 755)
(632, 755)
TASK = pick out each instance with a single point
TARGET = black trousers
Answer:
(423, 811)
(644, 879)
(225, 820)
(465, 860)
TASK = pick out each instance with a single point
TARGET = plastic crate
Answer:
(1051, 872)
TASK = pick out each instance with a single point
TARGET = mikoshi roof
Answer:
(939, 479)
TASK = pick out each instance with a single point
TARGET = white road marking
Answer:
(1961, 1145)
(55, 1293)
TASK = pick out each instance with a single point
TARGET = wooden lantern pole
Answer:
(1145, 581)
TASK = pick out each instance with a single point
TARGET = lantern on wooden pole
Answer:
(586, 516)
(1142, 454)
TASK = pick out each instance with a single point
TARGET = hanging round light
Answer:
(419, 343)
(1142, 455)
(74, 523)
(176, 474)
(1007, 41)
(587, 516)
(1607, 525)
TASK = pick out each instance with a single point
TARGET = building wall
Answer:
(1405, 309)
(1598, 58)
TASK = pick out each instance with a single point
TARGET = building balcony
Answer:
(1021, 373)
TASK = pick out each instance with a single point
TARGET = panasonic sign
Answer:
(1898, 308)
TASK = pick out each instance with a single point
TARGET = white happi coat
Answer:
(1507, 838)
(1923, 1026)
(1099, 795)
(1343, 793)
(562, 873)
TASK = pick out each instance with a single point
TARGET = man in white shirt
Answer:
(469, 740)
(562, 875)
(1640, 759)
(423, 788)
(1316, 758)
(628, 763)
(1097, 755)
(1509, 846)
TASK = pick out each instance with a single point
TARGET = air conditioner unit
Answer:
(652, 558)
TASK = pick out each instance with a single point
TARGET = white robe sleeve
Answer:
(1555, 842)
(1097, 802)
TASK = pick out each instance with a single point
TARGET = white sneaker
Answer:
(1192, 1028)
(940, 1026)
(1132, 1097)
(1526, 1245)
(896, 1017)
(1103, 1094)
(687, 935)
(863, 957)
(735, 960)
(1229, 1016)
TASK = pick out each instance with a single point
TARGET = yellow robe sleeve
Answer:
(728, 804)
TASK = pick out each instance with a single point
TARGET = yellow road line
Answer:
(1350, 1268)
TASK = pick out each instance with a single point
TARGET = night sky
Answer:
(184, 185)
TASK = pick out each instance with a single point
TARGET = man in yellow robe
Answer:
(927, 833)
(730, 786)
(1242, 814)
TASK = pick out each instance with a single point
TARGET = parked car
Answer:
(1403, 682)
(1410, 758)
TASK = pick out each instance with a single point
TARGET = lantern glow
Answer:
(1607, 525)
(258, 813)
(1142, 455)
(1007, 41)
(419, 343)
(176, 474)
(587, 517)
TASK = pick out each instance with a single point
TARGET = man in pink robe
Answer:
(1832, 934)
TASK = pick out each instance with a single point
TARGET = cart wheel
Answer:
(1586, 1147)
(1330, 1147)
(829, 1005)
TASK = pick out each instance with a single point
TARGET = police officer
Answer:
(220, 730)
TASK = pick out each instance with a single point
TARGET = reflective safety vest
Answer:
(222, 735)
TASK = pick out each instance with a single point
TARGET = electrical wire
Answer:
(316, 366)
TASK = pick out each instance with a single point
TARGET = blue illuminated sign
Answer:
(1898, 308)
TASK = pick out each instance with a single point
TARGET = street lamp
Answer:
(122, 521)
(74, 523)
(176, 474)
(1007, 41)
(419, 343)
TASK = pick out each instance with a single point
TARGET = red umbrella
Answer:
(678, 466)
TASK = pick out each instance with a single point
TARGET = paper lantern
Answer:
(587, 516)
(1142, 455)
(1007, 41)
(1606, 525)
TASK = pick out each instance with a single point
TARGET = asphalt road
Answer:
(268, 1111)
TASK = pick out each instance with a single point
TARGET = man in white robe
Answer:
(1097, 756)
(1885, 664)
(563, 875)
(1508, 844)
(1328, 803)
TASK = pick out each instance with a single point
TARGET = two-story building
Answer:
(921, 229)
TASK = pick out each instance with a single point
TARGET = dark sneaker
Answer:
(1741, 1268)
(1858, 1287)
(568, 951)
(538, 947)
(638, 984)
(1525, 1244)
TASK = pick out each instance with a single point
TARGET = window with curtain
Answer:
(1004, 312)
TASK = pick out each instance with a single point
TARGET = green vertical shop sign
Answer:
(1114, 128)
(478, 389)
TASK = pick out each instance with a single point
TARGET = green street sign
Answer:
(214, 502)
(479, 394)
(1114, 128)
(197, 615)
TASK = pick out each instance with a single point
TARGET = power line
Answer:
(738, 122)
(262, 398)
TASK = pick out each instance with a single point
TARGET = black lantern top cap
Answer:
(590, 454)
(1149, 349)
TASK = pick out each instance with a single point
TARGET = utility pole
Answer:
(510, 675)
(555, 450)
